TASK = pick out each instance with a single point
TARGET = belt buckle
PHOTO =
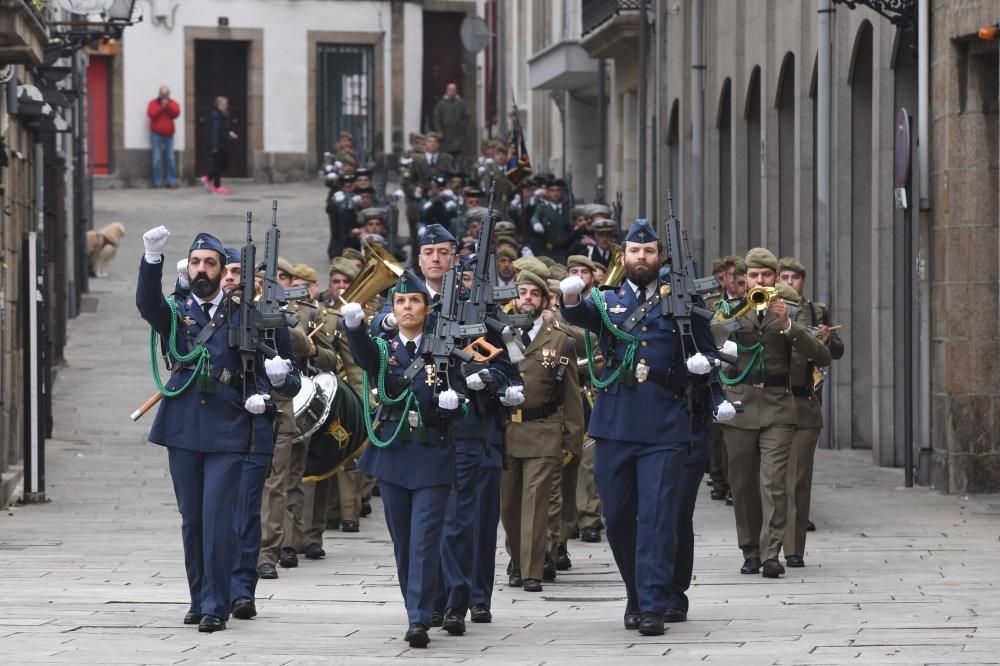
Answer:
(515, 416)
(641, 372)
(225, 376)
(759, 385)
(413, 419)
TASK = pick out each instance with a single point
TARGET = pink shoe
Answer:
(220, 190)
(206, 182)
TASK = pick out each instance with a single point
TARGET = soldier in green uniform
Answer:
(807, 381)
(549, 227)
(759, 440)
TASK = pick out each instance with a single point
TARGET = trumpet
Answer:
(757, 299)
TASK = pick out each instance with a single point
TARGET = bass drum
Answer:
(312, 404)
(341, 437)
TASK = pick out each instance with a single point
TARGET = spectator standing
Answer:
(451, 118)
(162, 112)
(220, 133)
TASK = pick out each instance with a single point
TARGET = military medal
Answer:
(618, 309)
(664, 290)
(187, 321)
(430, 375)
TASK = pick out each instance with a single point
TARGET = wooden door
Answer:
(99, 114)
(221, 70)
(442, 59)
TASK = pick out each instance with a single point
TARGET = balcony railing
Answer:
(596, 12)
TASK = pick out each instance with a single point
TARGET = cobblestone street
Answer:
(96, 576)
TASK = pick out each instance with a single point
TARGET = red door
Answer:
(99, 114)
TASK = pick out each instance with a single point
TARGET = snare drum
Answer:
(312, 404)
(341, 439)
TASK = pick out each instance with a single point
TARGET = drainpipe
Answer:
(823, 160)
(922, 240)
(923, 101)
(643, 63)
(697, 129)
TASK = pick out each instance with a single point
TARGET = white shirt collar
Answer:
(536, 326)
(416, 340)
(430, 157)
(215, 301)
(650, 288)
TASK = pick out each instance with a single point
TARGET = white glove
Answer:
(451, 206)
(526, 252)
(389, 323)
(488, 160)
(475, 381)
(419, 193)
(729, 347)
(354, 314)
(572, 284)
(480, 171)
(513, 396)
(448, 193)
(725, 411)
(182, 274)
(356, 200)
(539, 193)
(516, 201)
(338, 165)
(331, 179)
(277, 369)
(699, 365)
(255, 404)
(398, 194)
(448, 400)
(154, 241)
(538, 228)
(338, 196)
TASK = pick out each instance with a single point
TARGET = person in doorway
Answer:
(451, 118)
(220, 133)
(162, 112)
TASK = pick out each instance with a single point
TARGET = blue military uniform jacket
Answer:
(214, 422)
(648, 412)
(411, 461)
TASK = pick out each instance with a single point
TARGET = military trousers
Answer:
(249, 524)
(487, 521)
(416, 520)
(525, 495)
(562, 508)
(800, 476)
(315, 497)
(648, 493)
(758, 479)
(458, 543)
(718, 459)
(207, 487)
(344, 499)
(588, 501)
(294, 529)
(274, 509)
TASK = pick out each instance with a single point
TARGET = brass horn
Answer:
(379, 273)
(616, 269)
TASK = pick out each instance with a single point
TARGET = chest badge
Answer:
(641, 372)
(618, 309)
(187, 321)
(665, 290)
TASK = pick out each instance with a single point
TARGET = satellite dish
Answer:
(475, 34)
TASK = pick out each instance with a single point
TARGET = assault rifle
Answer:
(258, 319)
(465, 323)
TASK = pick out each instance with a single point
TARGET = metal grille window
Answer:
(345, 97)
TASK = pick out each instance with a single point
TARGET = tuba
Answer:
(616, 271)
(379, 273)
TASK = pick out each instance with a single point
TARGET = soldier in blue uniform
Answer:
(208, 424)
(643, 465)
(409, 453)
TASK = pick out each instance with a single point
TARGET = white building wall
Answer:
(284, 24)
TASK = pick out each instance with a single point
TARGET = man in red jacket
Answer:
(162, 111)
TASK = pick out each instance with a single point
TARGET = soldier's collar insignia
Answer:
(618, 309)
(187, 321)
(395, 345)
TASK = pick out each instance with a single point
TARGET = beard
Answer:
(530, 310)
(641, 274)
(204, 286)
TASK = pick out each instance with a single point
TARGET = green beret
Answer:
(580, 260)
(761, 257)
(506, 240)
(527, 277)
(506, 251)
(305, 272)
(532, 264)
(285, 266)
(352, 254)
(344, 266)
(791, 264)
(786, 293)
(557, 271)
(548, 261)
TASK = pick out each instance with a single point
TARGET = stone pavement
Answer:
(96, 575)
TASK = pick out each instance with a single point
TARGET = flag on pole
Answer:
(518, 160)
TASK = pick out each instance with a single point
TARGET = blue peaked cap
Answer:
(409, 283)
(435, 233)
(205, 241)
(641, 232)
(232, 255)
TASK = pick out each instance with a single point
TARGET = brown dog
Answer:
(102, 246)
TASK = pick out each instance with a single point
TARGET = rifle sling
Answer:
(639, 314)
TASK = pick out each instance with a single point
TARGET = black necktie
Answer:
(640, 295)
(526, 338)
(435, 299)
(207, 307)
(760, 317)
(411, 349)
